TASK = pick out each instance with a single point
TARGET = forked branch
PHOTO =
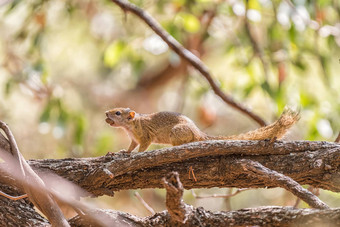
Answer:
(187, 55)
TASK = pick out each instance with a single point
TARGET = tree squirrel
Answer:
(176, 129)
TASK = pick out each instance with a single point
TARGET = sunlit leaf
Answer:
(173, 30)
(114, 53)
(292, 34)
(254, 4)
(189, 22)
(306, 100)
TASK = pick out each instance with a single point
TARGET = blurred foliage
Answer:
(65, 62)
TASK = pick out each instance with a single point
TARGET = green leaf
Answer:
(12, 5)
(138, 65)
(292, 34)
(324, 61)
(307, 100)
(80, 128)
(300, 63)
(254, 4)
(46, 114)
(9, 86)
(189, 22)
(114, 53)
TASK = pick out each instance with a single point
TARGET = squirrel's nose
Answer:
(107, 113)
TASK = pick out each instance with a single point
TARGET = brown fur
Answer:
(176, 129)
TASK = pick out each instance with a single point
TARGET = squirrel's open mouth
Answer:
(110, 121)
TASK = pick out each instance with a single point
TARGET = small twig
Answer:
(239, 190)
(227, 202)
(147, 206)
(187, 55)
(34, 185)
(292, 6)
(256, 47)
(258, 170)
(337, 140)
(13, 197)
(191, 172)
(209, 16)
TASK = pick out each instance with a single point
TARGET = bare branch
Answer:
(313, 190)
(187, 55)
(33, 185)
(239, 190)
(258, 170)
(260, 216)
(147, 206)
(189, 151)
(315, 163)
(256, 47)
(13, 197)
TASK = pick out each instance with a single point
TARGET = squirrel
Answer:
(176, 129)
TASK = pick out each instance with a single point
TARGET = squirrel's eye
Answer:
(118, 113)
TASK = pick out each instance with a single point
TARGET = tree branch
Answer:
(32, 184)
(258, 170)
(187, 55)
(181, 214)
(177, 209)
(214, 164)
(225, 196)
(258, 51)
(315, 163)
(20, 212)
(261, 216)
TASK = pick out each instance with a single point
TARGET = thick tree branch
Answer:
(261, 216)
(181, 214)
(21, 213)
(187, 55)
(214, 164)
(258, 170)
(312, 162)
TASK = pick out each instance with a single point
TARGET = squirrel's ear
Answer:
(132, 114)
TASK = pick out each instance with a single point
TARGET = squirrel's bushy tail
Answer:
(275, 130)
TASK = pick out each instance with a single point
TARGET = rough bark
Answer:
(259, 171)
(32, 184)
(177, 209)
(20, 212)
(260, 216)
(215, 164)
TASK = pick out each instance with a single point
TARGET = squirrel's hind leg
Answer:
(181, 134)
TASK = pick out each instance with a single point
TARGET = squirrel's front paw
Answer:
(109, 153)
(124, 152)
